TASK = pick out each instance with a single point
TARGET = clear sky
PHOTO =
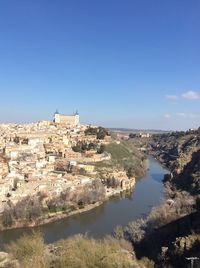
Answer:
(121, 63)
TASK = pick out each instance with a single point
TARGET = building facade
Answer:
(67, 120)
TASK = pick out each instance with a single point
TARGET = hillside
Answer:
(178, 237)
(180, 152)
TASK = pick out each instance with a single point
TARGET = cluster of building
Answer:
(35, 157)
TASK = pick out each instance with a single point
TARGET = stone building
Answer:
(66, 120)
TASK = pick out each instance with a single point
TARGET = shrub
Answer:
(118, 232)
(147, 262)
(101, 149)
(183, 204)
(135, 231)
(83, 252)
(29, 251)
(7, 217)
(91, 131)
(78, 251)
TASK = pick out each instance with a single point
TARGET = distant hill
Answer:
(132, 130)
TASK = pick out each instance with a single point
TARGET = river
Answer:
(118, 210)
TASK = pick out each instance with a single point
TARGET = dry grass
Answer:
(78, 251)
(29, 251)
(83, 252)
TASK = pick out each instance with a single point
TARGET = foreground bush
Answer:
(78, 251)
(81, 251)
(29, 251)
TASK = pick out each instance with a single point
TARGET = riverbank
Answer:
(51, 217)
(56, 216)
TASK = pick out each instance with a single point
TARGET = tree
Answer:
(101, 149)
(102, 132)
(7, 217)
(91, 131)
(91, 146)
(80, 147)
(16, 140)
(16, 180)
(132, 135)
(77, 148)
(130, 172)
(82, 171)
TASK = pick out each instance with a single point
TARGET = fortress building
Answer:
(66, 120)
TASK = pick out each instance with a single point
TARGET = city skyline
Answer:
(130, 64)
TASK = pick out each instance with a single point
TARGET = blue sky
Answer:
(127, 63)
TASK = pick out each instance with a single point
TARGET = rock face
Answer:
(180, 152)
(179, 251)
(6, 261)
(189, 177)
(127, 184)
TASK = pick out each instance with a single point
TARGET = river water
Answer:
(118, 210)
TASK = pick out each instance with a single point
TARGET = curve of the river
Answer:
(119, 210)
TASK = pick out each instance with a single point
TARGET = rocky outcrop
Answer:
(6, 261)
(173, 242)
(127, 184)
(189, 177)
(181, 154)
(181, 252)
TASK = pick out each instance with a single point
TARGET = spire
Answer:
(56, 112)
(76, 112)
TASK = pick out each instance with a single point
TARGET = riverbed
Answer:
(118, 210)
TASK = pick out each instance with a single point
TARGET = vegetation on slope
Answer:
(34, 209)
(127, 157)
(78, 251)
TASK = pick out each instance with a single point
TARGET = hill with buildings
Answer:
(50, 170)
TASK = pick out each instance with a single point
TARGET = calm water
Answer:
(102, 220)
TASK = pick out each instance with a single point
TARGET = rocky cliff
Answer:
(180, 152)
(179, 240)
